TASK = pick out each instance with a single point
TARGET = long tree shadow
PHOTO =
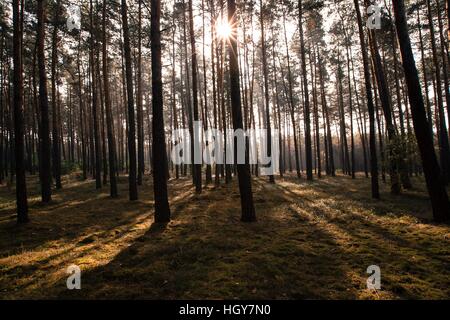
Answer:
(80, 212)
(205, 252)
(413, 266)
(305, 244)
(344, 189)
(81, 223)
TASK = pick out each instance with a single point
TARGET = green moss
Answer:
(311, 240)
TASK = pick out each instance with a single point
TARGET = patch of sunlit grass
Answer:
(311, 240)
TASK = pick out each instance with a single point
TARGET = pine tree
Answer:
(44, 136)
(21, 186)
(243, 170)
(433, 177)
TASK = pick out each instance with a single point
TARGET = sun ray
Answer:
(224, 29)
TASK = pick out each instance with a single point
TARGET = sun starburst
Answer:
(224, 29)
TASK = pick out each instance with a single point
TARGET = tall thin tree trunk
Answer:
(307, 118)
(21, 185)
(205, 94)
(370, 106)
(44, 143)
(162, 210)
(245, 185)
(196, 166)
(327, 119)
(291, 102)
(133, 192)
(444, 148)
(2, 111)
(435, 183)
(266, 92)
(404, 177)
(56, 154)
(139, 113)
(82, 122)
(316, 114)
(98, 165)
(109, 120)
(386, 105)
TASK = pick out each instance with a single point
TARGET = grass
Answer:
(312, 240)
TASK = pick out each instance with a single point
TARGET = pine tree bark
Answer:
(174, 92)
(434, 181)
(188, 100)
(370, 107)
(104, 159)
(245, 184)
(205, 93)
(162, 210)
(307, 118)
(350, 101)
(21, 185)
(404, 177)
(445, 62)
(44, 143)
(109, 120)
(444, 147)
(316, 114)
(81, 114)
(291, 102)
(56, 152)
(139, 113)
(96, 137)
(196, 166)
(342, 124)
(276, 102)
(425, 75)
(133, 192)
(325, 110)
(214, 84)
(2, 112)
(266, 92)
(386, 105)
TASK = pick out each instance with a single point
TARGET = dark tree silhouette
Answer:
(370, 106)
(307, 112)
(109, 119)
(133, 192)
(44, 136)
(162, 210)
(266, 90)
(433, 177)
(56, 146)
(96, 134)
(243, 170)
(197, 173)
(21, 186)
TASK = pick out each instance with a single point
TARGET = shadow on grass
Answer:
(311, 240)
(205, 252)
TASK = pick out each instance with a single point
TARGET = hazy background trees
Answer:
(339, 94)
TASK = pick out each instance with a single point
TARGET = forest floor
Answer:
(312, 240)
